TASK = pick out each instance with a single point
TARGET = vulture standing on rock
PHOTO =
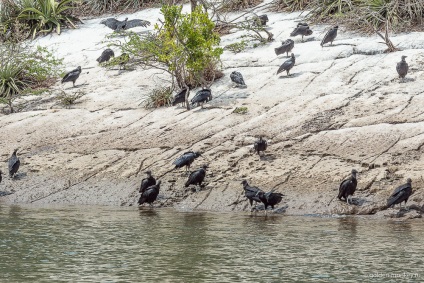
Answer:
(106, 55)
(196, 177)
(286, 47)
(402, 68)
(287, 65)
(238, 79)
(348, 187)
(186, 159)
(150, 194)
(260, 145)
(251, 193)
(270, 199)
(330, 36)
(125, 24)
(201, 97)
(301, 29)
(180, 97)
(72, 76)
(147, 182)
(401, 194)
(14, 164)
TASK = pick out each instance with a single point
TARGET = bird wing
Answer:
(296, 31)
(111, 23)
(183, 159)
(71, 74)
(399, 194)
(200, 96)
(136, 23)
(12, 161)
(237, 78)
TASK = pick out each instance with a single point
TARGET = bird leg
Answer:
(302, 38)
(347, 200)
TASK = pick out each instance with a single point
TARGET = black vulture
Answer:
(287, 65)
(270, 199)
(196, 177)
(251, 193)
(348, 187)
(202, 96)
(186, 159)
(238, 79)
(150, 194)
(180, 97)
(286, 47)
(401, 193)
(106, 55)
(147, 182)
(301, 29)
(330, 36)
(14, 164)
(72, 76)
(402, 68)
(125, 24)
(261, 20)
(260, 145)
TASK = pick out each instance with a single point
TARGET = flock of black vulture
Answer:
(149, 188)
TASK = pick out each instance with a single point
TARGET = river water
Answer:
(108, 244)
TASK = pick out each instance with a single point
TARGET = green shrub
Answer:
(23, 70)
(184, 46)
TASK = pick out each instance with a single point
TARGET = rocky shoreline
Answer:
(342, 108)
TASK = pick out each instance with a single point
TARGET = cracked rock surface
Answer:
(341, 108)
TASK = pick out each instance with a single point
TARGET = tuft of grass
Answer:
(69, 99)
(237, 47)
(240, 110)
(158, 97)
(290, 5)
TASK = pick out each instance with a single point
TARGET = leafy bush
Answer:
(183, 46)
(22, 69)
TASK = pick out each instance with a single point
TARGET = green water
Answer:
(106, 244)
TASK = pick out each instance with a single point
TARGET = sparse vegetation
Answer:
(23, 70)
(158, 97)
(240, 110)
(68, 99)
(237, 47)
(365, 15)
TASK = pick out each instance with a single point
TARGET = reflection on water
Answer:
(104, 244)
